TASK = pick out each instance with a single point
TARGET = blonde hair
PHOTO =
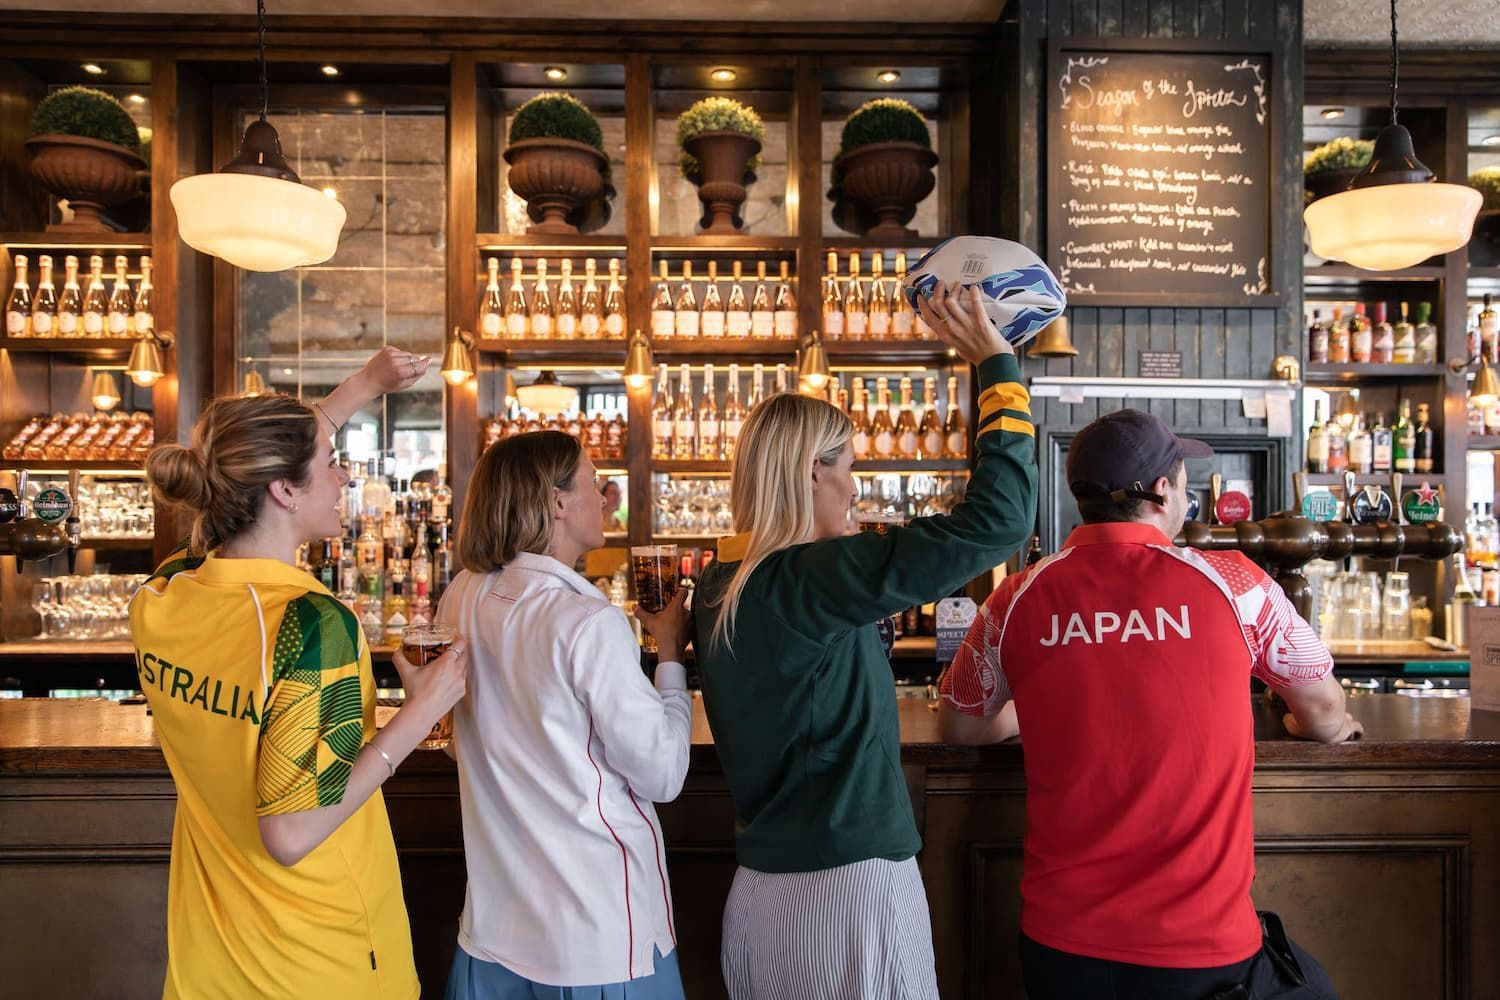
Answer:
(239, 446)
(771, 484)
(508, 507)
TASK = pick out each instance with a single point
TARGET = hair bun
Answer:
(179, 475)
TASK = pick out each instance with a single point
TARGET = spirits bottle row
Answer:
(87, 311)
(762, 314)
(113, 437)
(1363, 340)
(1368, 446)
(603, 436)
(1484, 332)
(880, 312)
(571, 313)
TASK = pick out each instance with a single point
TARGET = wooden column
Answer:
(640, 170)
(460, 403)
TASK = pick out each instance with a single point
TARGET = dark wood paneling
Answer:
(24, 204)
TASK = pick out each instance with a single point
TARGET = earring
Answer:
(293, 508)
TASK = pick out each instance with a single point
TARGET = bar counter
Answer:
(1382, 855)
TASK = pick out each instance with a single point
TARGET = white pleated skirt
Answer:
(859, 932)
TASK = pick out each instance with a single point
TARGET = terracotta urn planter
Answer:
(886, 180)
(723, 158)
(1327, 182)
(557, 177)
(92, 175)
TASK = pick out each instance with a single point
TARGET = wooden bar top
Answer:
(94, 735)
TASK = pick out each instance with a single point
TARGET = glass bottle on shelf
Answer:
(517, 312)
(708, 418)
(95, 299)
(1361, 455)
(1338, 456)
(615, 433)
(711, 319)
(856, 312)
(784, 314)
(781, 380)
(1382, 338)
(762, 314)
(1317, 441)
(541, 304)
(565, 323)
(930, 433)
(737, 311)
(614, 304)
(1404, 441)
(833, 304)
(882, 429)
(590, 305)
(879, 323)
(1489, 331)
(1382, 446)
(1361, 341)
(663, 316)
(1338, 339)
(1426, 335)
(18, 306)
(859, 416)
(901, 314)
(492, 308)
(44, 305)
(955, 424)
(686, 321)
(1405, 351)
(145, 301)
(1474, 416)
(121, 304)
(684, 422)
(1317, 340)
(757, 385)
(734, 413)
(1490, 418)
(1422, 448)
(442, 495)
(70, 306)
(661, 415)
(907, 441)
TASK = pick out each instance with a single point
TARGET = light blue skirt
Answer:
(475, 979)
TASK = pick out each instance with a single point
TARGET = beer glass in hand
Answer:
(654, 570)
(421, 644)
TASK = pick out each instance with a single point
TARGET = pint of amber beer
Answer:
(654, 570)
(420, 645)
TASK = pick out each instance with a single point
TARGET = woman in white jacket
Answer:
(562, 745)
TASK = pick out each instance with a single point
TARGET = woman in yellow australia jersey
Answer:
(284, 880)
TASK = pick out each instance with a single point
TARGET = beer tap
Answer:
(35, 533)
(1215, 491)
(73, 525)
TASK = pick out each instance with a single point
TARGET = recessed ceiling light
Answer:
(137, 99)
(93, 68)
(888, 75)
(723, 75)
(1490, 140)
(555, 73)
(287, 371)
(330, 70)
(1332, 113)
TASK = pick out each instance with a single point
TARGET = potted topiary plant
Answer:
(721, 142)
(84, 147)
(1329, 168)
(1484, 248)
(557, 163)
(884, 168)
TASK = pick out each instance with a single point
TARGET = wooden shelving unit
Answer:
(1359, 372)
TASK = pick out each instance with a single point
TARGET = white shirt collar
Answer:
(532, 562)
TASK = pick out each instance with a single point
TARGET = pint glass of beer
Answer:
(421, 644)
(654, 570)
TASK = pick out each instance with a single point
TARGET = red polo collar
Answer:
(1116, 533)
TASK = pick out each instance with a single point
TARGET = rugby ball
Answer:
(1020, 294)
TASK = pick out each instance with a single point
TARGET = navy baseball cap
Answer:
(1122, 453)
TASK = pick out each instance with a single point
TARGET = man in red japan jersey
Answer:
(1126, 661)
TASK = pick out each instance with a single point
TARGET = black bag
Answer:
(1281, 971)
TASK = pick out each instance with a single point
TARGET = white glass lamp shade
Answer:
(546, 397)
(1391, 226)
(255, 222)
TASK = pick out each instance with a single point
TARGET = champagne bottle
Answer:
(711, 319)
(859, 416)
(566, 322)
(614, 304)
(590, 307)
(541, 304)
(856, 313)
(930, 434)
(734, 413)
(70, 306)
(781, 383)
(687, 305)
(44, 305)
(661, 415)
(762, 316)
(145, 301)
(955, 425)
(663, 317)
(737, 314)
(684, 430)
(833, 303)
(708, 418)
(18, 306)
(784, 317)
(516, 309)
(95, 301)
(879, 324)
(907, 443)
(492, 309)
(757, 385)
(882, 430)
(901, 315)
(121, 305)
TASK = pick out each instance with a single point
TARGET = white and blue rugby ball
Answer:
(1020, 294)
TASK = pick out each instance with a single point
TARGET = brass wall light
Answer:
(145, 367)
(105, 394)
(812, 367)
(457, 366)
(638, 363)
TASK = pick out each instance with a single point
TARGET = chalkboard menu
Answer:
(1160, 168)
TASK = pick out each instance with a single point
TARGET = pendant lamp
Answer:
(255, 212)
(547, 396)
(1394, 214)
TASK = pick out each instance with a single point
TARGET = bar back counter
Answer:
(1382, 856)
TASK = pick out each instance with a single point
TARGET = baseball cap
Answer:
(1122, 453)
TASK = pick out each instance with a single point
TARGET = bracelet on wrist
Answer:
(385, 757)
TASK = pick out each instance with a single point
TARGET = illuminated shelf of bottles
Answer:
(927, 351)
(1353, 371)
(748, 244)
(848, 243)
(76, 241)
(1409, 480)
(1348, 272)
(914, 466)
(548, 242)
(101, 345)
(62, 466)
(1484, 442)
(608, 352)
(725, 347)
